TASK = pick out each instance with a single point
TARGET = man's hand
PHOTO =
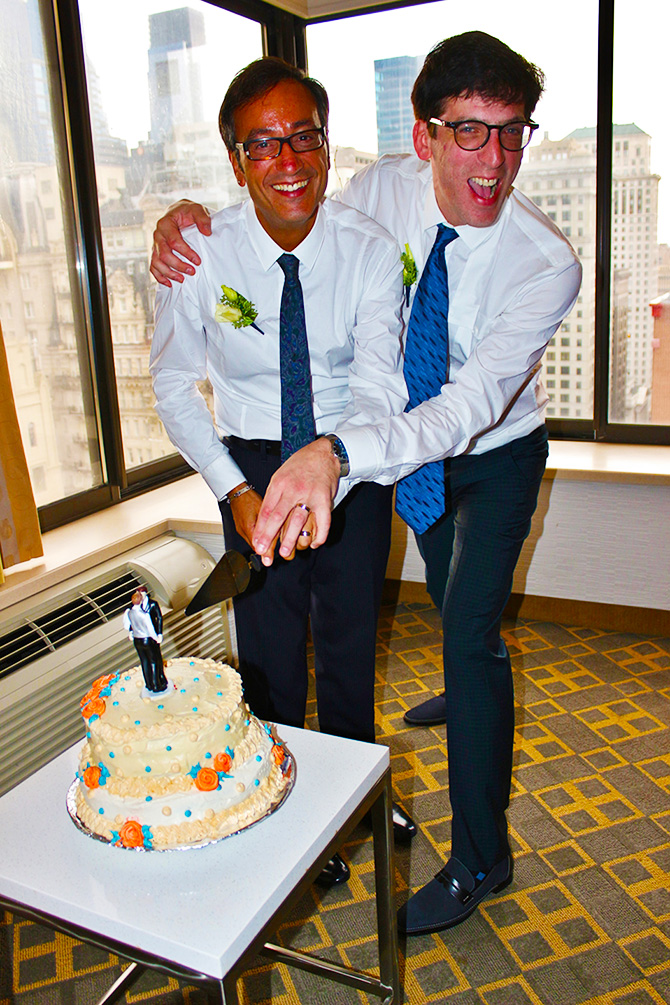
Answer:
(305, 484)
(165, 264)
(245, 511)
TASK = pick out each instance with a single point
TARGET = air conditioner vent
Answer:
(114, 597)
(71, 619)
(20, 646)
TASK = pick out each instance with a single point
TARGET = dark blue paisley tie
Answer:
(420, 498)
(297, 415)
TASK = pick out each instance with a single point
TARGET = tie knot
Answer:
(289, 265)
(444, 236)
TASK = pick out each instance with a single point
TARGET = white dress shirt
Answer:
(351, 279)
(510, 286)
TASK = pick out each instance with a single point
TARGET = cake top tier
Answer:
(199, 692)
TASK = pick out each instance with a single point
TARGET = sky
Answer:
(561, 39)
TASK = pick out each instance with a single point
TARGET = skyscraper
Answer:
(394, 79)
(175, 79)
(560, 177)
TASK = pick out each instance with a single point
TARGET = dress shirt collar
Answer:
(268, 251)
(472, 236)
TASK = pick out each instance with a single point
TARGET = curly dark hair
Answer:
(257, 79)
(475, 63)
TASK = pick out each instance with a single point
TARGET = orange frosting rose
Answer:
(92, 777)
(223, 762)
(130, 834)
(96, 706)
(278, 753)
(207, 780)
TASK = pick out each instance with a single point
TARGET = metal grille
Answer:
(74, 616)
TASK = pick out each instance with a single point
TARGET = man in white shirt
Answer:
(273, 120)
(512, 278)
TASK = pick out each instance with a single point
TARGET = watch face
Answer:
(341, 453)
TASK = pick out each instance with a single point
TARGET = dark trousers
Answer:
(337, 590)
(151, 661)
(470, 556)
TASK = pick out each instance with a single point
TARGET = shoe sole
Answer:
(429, 929)
(425, 722)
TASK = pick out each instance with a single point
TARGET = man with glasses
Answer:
(307, 336)
(490, 279)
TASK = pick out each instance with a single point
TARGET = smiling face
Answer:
(286, 190)
(470, 185)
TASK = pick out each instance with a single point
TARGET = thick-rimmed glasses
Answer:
(267, 147)
(471, 134)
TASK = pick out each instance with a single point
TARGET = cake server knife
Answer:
(230, 576)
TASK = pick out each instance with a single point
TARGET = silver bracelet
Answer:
(240, 492)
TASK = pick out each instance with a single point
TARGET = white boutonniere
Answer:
(236, 310)
(409, 272)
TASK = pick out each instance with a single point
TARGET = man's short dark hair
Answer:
(257, 79)
(475, 63)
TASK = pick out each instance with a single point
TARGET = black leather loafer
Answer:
(335, 871)
(451, 897)
(430, 713)
(404, 828)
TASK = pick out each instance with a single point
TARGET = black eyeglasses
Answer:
(470, 134)
(268, 147)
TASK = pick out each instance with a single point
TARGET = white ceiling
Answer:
(319, 8)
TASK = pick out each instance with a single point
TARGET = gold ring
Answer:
(305, 533)
(304, 506)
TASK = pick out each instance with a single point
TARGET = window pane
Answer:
(40, 299)
(156, 138)
(371, 114)
(640, 320)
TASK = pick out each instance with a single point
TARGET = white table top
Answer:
(200, 908)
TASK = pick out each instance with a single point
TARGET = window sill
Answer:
(188, 506)
(579, 460)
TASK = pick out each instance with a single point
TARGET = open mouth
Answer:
(485, 188)
(292, 186)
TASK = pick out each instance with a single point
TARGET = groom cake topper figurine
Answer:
(143, 621)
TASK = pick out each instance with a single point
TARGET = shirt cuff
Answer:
(365, 456)
(222, 475)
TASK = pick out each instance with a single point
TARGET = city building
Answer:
(394, 79)
(175, 79)
(560, 177)
(344, 163)
(660, 346)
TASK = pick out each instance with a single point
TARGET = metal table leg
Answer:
(387, 925)
(223, 992)
(131, 974)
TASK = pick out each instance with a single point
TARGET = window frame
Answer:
(284, 35)
(599, 428)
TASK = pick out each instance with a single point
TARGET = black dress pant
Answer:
(470, 557)
(151, 661)
(336, 589)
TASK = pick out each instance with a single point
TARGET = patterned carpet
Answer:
(587, 918)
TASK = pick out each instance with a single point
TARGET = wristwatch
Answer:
(340, 452)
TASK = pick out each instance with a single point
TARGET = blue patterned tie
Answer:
(297, 415)
(420, 498)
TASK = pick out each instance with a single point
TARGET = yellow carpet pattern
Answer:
(586, 920)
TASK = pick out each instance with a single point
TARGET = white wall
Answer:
(602, 541)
